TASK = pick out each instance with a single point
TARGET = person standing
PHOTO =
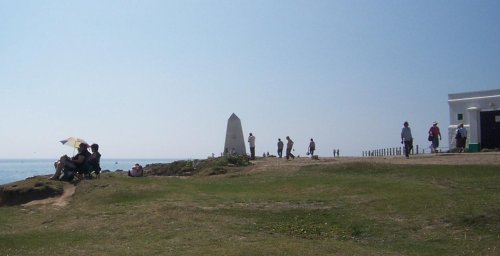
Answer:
(280, 148)
(407, 139)
(251, 142)
(436, 136)
(289, 147)
(312, 147)
(461, 138)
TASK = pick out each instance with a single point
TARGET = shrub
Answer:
(238, 160)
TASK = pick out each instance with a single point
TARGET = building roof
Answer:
(474, 95)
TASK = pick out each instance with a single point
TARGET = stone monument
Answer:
(235, 143)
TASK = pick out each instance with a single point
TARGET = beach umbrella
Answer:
(73, 142)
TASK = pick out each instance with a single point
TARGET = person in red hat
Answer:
(436, 136)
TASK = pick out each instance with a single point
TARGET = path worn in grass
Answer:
(299, 208)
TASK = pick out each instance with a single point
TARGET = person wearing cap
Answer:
(71, 165)
(407, 138)
(436, 136)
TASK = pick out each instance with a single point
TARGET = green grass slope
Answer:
(351, 209)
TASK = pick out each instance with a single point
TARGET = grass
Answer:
(353, 209)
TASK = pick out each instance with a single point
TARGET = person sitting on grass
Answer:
(136, 171)
(94, 161)
(69, 166)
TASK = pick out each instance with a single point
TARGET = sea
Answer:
(12, 170)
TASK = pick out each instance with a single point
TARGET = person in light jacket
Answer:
(251, 142)
(289, 147)
(312, 147)
(407, 139)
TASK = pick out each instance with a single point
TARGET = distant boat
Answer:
(116, 162)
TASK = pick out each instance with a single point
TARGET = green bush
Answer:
(238, 160)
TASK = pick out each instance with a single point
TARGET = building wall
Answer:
(468, 106)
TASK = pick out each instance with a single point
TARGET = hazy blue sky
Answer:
(159, 79)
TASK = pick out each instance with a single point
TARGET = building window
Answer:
(460, 117)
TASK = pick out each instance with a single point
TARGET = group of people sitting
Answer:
(82, 165)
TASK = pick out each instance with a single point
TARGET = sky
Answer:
(159, 79)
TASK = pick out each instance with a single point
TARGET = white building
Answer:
(480, 113)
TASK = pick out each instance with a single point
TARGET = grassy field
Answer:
(349, 209)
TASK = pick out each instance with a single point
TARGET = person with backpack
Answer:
(434, 136)
(461, 138)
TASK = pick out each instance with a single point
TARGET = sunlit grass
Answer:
(353, 209)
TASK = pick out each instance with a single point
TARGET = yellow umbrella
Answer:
(73, 142)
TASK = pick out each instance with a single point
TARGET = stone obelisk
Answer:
(235, 143)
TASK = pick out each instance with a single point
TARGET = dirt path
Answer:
(261, 164)
(60, 201)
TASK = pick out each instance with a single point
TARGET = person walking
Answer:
(251, 142)
(289, 146)
(312, 147)
(461, 138)
(434, 136)
(407, 139)
(280, 148)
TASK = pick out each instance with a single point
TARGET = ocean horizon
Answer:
(12, 170)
